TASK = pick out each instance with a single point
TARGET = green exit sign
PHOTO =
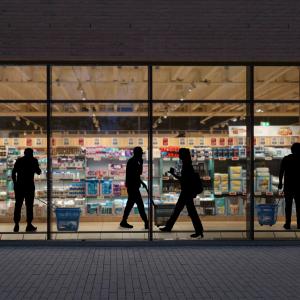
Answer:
(264, 123)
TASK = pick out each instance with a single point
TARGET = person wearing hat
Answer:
(23, 178)
(133, 182)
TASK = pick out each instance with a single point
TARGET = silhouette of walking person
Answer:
(134, 170)
(23, 178)
(290, 172)
(186, 196)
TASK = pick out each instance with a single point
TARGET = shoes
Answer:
(197, 234)
(16, 228)
(146, 225)
(286, 226)
(31, 228)
(124, 224)
(165, 229)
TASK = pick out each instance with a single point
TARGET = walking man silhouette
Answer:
(134, 170)
(290, 172)
(186, 196)
(23, 178)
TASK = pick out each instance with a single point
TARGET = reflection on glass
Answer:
(22, 82)
(199, 83)
(99, 83)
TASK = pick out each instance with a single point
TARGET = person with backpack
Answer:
(190, 186)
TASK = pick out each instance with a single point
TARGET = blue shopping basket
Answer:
(67, 219)
(267, 214)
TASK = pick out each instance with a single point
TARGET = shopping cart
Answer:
(162, 213)
(267, 213)
(67, 218)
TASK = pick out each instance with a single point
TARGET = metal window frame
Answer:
(250, 102)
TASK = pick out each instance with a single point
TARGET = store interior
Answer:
(99, 113)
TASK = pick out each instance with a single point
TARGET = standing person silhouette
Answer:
(134, 170)
(186, 196)
(23, 178)
(289, 170)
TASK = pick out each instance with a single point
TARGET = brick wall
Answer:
(154, 30)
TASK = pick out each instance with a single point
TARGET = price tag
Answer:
(206, 177)
(218, 193)
(232, 193)
(235, 158)
(167, 159)
(257, 193)
(222, 158)
(269, 193)
(268, 158)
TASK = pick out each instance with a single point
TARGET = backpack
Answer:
(197, 185)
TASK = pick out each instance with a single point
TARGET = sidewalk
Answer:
(220, 271)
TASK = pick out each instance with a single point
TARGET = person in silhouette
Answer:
(23, 178)
(186, 196)
(289, 171)
(134, 170)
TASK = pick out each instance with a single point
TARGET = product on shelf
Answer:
(220, 183)
(262, 180)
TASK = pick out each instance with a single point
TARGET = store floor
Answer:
(181, 230)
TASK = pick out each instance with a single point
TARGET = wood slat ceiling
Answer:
(130, 83)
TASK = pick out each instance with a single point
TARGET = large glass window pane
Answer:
(216, 137)
(276, 129)
(22, 126)
(22, 82)
(199, 83)
(99, 83)
(90, 153)
(276, 83)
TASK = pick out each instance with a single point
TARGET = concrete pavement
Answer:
(187, 271)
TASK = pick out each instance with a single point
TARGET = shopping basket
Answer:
(162, 213)
(267, 213)
(67, 218)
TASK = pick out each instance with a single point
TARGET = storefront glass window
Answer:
(216, 137)
(199, 83)
(22, 126)
(22, 82)
(276, 129)
(99, 83)
(276, 83)
(89, 156)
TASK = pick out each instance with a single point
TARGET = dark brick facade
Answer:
(150, 31)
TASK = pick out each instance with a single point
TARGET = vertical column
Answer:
(49, 145)
(150, 153)
(250, 153)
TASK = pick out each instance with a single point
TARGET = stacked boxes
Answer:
(236, 179)
(221, 183)
(262, 180)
